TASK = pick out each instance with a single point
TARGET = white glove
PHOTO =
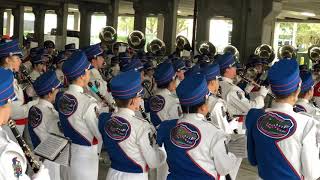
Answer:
(249, 88)
(42, 174)
(263, 91)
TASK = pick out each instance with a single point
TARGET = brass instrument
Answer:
(314, 53)
(108, 37)
(287, 52)
(136, 40)
(117, 45)
(182, 43)
(233, 50)
(265, 52)
(35, 165)
(207, 48)
(156, 47)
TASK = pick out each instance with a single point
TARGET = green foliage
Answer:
(182, 25)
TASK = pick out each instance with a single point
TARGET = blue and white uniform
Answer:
(129, 140)
(79, 121)
(283, 144)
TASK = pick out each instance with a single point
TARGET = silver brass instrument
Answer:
(233, 50)
(156, 47)
(182, 43)
(27, 152)
(207, 48)
(287, 52)
(314, 53)
(108, 37)
(265, 52)
(136, 40)
(117, 45)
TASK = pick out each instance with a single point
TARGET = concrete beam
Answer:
(170, 27)
(18, 14)
(62, 18)
(140, 18)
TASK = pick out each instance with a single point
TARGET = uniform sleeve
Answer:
(218, 114)
(151, 152)
(237, 99)
(173, 110)
(92, 121)
(223, 160)
(310, 151)
(20, 111)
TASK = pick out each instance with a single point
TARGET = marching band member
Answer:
(69, 49)
(148, 69)
(94, 54)
(316, 79)
(281, 143)
(43, 118)
(13, 161)
(129, 140)
(303, 104)
(237, 103)
(59, 60)
(78, 117)
(10, 54)
(164, 105)
(195, 148)
(180, 68)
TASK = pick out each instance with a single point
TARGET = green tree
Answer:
(182, 25)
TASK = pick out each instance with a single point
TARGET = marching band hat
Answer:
(192, 90)
(148, 65)
(6, 86)
(284, 77)
(60, 57)
(226, 60)
(179, 64)
(126, 85)
(46, 83)
(93, 51)
(131, 64)
(211, 72)
(164, 73)
(70, 47)
(307, 81)
(76, 65)
(194, 70)
(48, 44)
(10, 48)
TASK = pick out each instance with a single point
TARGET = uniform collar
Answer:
(75, 88)
(193, 116)
(282, 106)
(45, 103)
(227, 79)
(165, 90)
(303, 100)
(126, 111)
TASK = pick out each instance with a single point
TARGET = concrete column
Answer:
(269, 23)
(76, 19)
(1, 20)
(112, 14)
(160, 27)
(170, 29)
(18, 14)
(62, 19)
(39, 14)
(85, 26)
(140, 18)
(203, 28)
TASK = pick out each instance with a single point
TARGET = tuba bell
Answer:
(207, 48)
(287, 52)
(182, 43)
(136, 40)
(108, 36)
(314, 53)
(233, 50)
(265, 52)
(156, 47)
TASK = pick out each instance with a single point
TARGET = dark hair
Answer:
(222, 71)
(282, 97)
(192, 109)
(164, 86)
(303, 94)
(3, 61)
(122, 103)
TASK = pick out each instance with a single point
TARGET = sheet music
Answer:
(238, 145)
(64, 157)
(51, 147)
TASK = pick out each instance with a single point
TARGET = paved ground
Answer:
(247, 172)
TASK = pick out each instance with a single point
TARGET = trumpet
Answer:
(35, 165)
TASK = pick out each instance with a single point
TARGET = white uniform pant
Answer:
(119, 175)
(84, 162)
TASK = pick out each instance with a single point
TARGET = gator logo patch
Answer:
(276, 126)
(185, 136)
(67, 104)
(157, 103)
(298, 108)
(118, 128)
(17, 168)
(35, 117)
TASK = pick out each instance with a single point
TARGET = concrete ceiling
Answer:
(296, 8)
